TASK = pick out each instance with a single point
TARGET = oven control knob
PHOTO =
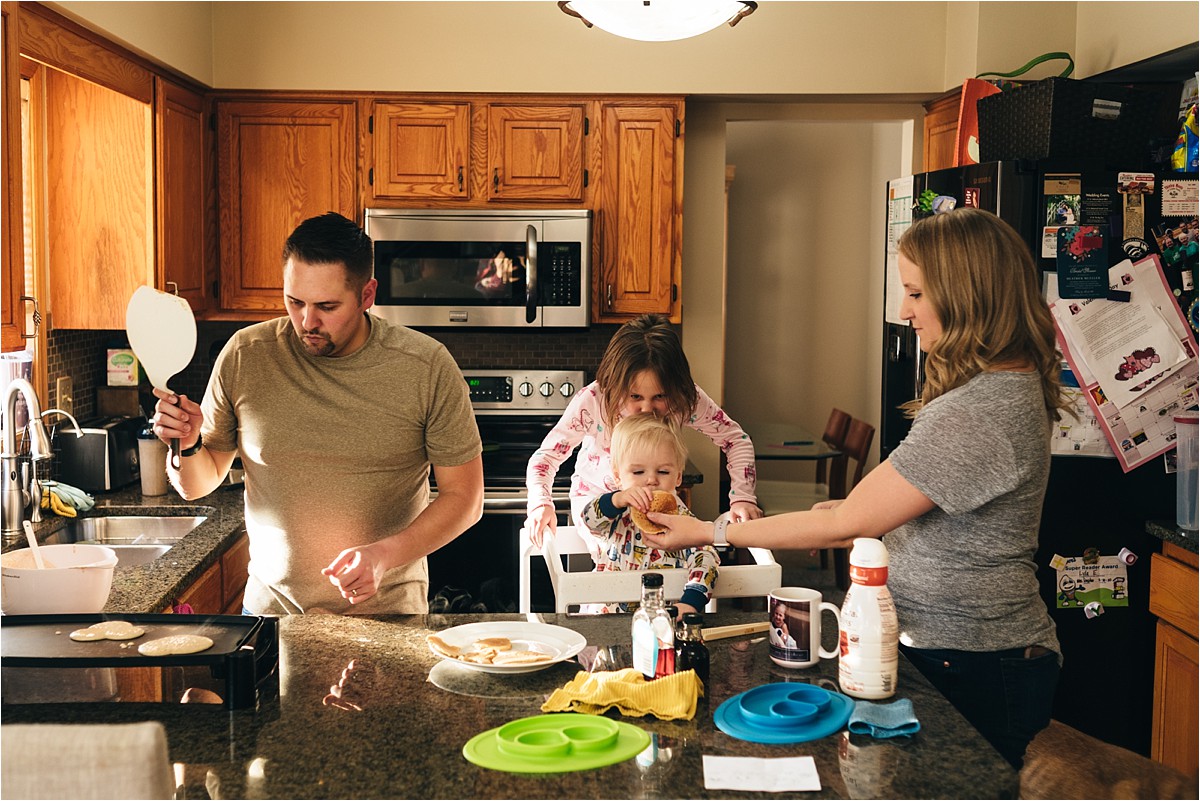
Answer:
(567, 389)
(526, 389)
(547, 389)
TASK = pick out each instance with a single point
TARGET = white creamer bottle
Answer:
(869, 636)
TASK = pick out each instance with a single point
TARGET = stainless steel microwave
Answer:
(482, 267)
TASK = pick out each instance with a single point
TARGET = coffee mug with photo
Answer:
(794, 635)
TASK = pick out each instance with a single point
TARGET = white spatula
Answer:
(162, 333)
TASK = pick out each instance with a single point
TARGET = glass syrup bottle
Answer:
(653, 631)
(690, 651)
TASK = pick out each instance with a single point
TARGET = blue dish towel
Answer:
(884, 720)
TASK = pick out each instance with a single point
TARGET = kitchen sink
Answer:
(137, 539)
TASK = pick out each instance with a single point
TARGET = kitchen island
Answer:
(365, 710)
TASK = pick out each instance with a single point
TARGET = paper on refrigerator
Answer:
(899, 220)
(1127, 345)
(1135, 360)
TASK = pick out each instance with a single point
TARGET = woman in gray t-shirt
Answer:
(960, 499)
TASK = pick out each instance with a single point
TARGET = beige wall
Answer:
(177, 34)
(1110, 35)
(783, 48)
(804, 290)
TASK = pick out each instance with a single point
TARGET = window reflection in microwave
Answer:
(495, 277)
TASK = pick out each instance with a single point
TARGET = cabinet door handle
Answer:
(608, 296)
(460, 179)
(174, 287)
(37, 318)
(496, 180)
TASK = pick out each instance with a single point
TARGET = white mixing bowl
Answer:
(78, 582)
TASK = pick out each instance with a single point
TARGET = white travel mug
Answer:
(152, 461)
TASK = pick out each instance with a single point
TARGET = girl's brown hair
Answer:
(646, 343)
(982, 282)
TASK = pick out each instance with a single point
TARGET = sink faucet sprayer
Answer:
(39, 448)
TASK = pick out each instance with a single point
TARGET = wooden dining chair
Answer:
(778, 497)
(856, 448)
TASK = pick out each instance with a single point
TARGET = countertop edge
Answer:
(153, 587)
(1169, 532)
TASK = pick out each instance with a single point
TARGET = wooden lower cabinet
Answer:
(204, 596)
(220, 588)
(218, 591)
(1175, 734)
(234, 566)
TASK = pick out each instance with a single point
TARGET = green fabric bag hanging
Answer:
(999, 82)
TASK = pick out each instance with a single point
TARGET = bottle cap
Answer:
(651, 579)
(692, 618)
(869, 552)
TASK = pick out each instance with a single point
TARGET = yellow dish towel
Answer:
(51, 501)
(668, 698)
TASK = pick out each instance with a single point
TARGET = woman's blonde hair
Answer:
(646, 343)
(981, 281)
(641, 432)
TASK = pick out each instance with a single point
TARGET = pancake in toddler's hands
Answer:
(661, 502)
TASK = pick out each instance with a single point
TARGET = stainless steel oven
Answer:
(482, 267)
(515, 410)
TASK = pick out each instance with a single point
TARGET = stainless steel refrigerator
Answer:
(1106, 684)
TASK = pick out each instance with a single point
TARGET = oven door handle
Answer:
(531, 284)
(504, 505)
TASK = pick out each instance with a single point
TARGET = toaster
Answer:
(105, 458)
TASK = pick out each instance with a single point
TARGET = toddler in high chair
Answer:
(648, 457)
(644, 369)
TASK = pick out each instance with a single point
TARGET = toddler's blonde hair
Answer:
(640, 433)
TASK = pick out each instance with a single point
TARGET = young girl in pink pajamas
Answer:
(644, 369)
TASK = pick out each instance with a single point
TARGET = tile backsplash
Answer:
(82, 355)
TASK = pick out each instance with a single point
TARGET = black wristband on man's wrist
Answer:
(192, 451)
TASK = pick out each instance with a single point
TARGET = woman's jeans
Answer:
(1007, 696)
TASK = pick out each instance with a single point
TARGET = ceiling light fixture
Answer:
(657, 20)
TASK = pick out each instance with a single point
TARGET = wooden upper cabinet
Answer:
(421, 151)
(941, 130)
(99, 201)
(640, 212)
(535, 152)
(12, 268)
(182, 193)
(279, 162)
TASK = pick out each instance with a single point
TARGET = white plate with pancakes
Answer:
(507, 646)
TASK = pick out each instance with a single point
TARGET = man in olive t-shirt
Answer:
(338, 417)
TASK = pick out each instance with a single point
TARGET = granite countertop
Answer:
(399, 719)
(152, 587)
(1169, 532)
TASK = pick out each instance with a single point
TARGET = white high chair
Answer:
(581, 587)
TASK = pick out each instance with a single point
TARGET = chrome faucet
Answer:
(39, 448)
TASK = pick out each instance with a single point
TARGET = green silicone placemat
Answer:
(558, 743)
